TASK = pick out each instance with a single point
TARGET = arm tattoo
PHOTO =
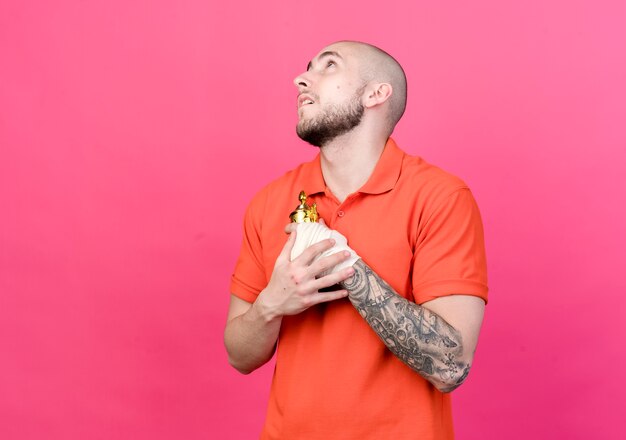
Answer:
(418, 337)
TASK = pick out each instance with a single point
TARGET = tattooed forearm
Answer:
(417, 336)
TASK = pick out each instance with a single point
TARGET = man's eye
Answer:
(330, 63)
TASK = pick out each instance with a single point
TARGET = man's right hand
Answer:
(295, 285)
(252, 329)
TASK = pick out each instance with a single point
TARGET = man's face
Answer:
(329, 99)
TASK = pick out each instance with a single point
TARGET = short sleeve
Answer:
(249, 277)
(449, 255)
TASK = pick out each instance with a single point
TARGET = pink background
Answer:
(133, 133)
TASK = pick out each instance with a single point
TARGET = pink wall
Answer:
(133, 133)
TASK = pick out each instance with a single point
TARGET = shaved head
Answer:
(376, 65)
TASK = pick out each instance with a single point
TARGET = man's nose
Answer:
(302, 81)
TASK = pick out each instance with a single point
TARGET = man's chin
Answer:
(316, 142)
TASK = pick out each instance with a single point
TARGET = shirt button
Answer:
(341, 213)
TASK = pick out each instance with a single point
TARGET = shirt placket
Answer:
(342, 211)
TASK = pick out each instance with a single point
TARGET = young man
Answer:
(375, 357)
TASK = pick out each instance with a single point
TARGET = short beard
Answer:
(332, 122)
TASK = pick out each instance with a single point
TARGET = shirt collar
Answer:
(383, 178)
(387, 170)
(313, 179)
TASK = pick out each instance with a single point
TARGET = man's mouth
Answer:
(305, 100)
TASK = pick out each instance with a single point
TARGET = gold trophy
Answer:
(304, 213)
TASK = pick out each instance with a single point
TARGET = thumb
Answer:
(286, 252)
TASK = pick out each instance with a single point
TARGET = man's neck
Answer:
(349, 160)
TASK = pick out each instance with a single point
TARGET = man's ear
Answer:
(377, 94)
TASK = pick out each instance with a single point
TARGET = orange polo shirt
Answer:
(418, 228)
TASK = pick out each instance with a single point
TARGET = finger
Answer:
(314, 251)
(286, 252)
(321, 297)
(291, 227)
(332, 278)
(323, 264)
